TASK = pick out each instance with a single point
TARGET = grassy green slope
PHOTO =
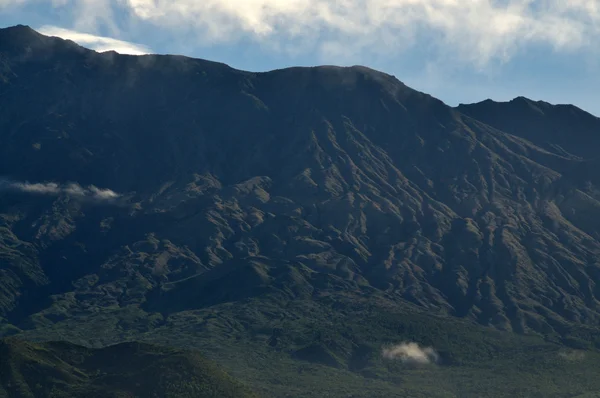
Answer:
(333, 349)
(125, 370)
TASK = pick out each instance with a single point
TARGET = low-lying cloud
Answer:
(74, 190)
(411, 353)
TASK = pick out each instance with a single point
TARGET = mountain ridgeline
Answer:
(309, 214)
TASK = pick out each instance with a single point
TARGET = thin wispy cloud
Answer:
(472, 31)
(97, 43)
(54, 189)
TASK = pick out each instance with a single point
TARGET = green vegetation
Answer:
(124, 370)
(258, 342)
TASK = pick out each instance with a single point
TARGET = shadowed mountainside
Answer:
(253, 202)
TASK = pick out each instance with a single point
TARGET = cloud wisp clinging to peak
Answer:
(410, 353)
(73, 190)
(94, 42)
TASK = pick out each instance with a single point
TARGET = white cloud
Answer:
(51, 188)
(98, 43)
(104, 194)
(475, 32)
(410, 353)
(45, 188)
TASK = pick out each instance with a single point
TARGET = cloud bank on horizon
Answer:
(476, 32)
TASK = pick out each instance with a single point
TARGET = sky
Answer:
(460, 51)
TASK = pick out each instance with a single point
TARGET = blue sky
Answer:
(460, 51)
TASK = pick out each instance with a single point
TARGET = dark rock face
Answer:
(294, 184)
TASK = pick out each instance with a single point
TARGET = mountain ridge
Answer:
(303, 215)
(29, 31)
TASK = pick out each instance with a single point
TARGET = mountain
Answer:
(125, 370)
(562, 129)
(291, 223)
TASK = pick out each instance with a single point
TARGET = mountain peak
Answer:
(18, 28)
(572, 131)
(491, 102)
(521, 98)
(19, 38)
(22, 39)
(19, 33)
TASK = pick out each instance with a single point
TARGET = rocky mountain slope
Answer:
(162, 196)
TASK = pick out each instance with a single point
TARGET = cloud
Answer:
(104, 194)
(473, 32)
(51, 188)
(97, 43)
(46, 188)
(410, 353)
